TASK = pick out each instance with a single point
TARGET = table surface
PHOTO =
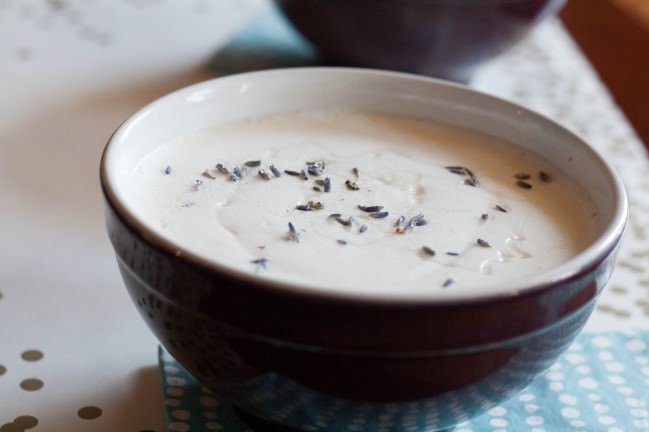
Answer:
(70, 72)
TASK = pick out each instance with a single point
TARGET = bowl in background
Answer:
(441, 38)
(320, 361)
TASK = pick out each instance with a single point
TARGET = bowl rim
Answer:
(579, 265)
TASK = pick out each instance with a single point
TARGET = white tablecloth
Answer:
(70, 72)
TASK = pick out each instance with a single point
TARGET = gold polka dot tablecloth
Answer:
(74, 354)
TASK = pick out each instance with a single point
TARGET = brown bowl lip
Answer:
(582, 264)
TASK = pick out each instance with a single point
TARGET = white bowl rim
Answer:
(581, 264)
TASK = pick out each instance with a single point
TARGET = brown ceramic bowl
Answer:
(319, 360)
(442, 38)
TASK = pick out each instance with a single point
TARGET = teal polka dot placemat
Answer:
(601, 383)
(268, 42)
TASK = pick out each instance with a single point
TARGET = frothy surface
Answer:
(483, 220)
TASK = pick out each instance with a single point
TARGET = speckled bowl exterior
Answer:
(318, 361)
(442, 38)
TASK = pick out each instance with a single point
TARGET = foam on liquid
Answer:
(401, 166)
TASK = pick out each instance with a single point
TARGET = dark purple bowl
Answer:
(442, 38)
(322, 361)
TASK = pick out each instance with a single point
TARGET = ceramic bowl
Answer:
(442, 38)
(321, 361)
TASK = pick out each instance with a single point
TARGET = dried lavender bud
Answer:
(460, 170)
(545, 177)
(345, 222)
(263, 174)
(222, 169)
(379, 215)
(351, 185)
(208, 174)
(448, 282)
(417, 220)
(275, 171)
(327, 184)
(292, 173)
(363, 228)
(483, 243)
(303, 207)
(342, 242)
(371, 208)
(315, 168)
(260, 262)
(523, 184)
(522, 176)
(167, 170)
(484, 216)
(501, 208)
(292, 233)
(428, 251)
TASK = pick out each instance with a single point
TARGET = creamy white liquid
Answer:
(401, 166)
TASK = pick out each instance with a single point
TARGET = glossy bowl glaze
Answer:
(442, 38)
(321, 361)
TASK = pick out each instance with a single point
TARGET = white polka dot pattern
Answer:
(597, 385)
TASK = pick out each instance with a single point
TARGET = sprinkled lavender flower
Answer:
(351, 185)
(371, 208)
(315, 168)
(523, 184)
(483, 243)
(208, 174)
(417, 220)
(327, 184)
(293, 235)
(545, 177)
(428, 251)
(261, 263)
(346, 222)
(222, 169)
(263, 174)
(275, 171)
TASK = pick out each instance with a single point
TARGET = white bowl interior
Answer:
(262, 93)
